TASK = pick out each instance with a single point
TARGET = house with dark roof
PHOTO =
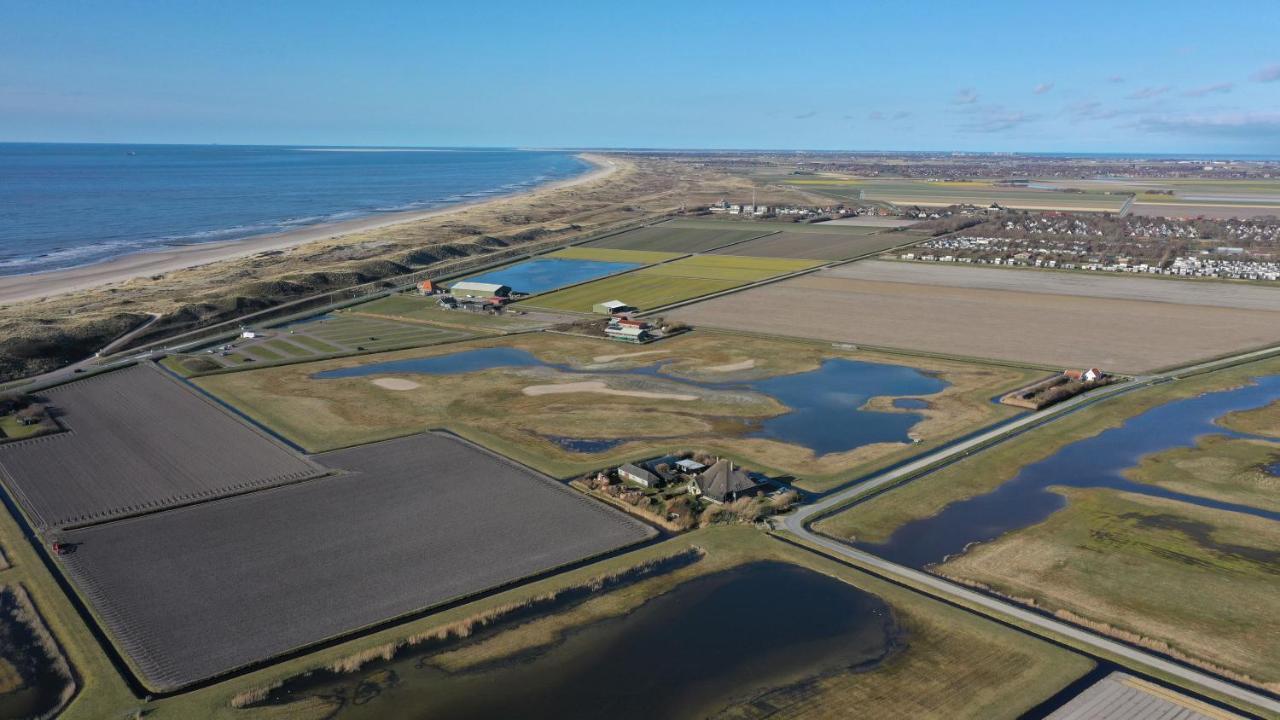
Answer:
(722, 482)
(638, 475)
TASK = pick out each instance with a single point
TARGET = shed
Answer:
(612, 307)
(690, 466)
(428, 287)
(465, 288)
(723, 482)
(638, 475)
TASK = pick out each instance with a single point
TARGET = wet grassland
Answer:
(568, 405)
(1107, 518)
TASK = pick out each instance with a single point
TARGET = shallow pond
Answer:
(709, 643)
(1099, 461)
(825, 404)
(543, 274)
(42, 683)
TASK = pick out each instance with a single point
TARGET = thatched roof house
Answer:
(723, 482)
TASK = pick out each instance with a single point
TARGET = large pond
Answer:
(1096, 462)
(825, 405)
(543, 274)
(710, 643)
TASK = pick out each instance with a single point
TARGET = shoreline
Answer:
(49, 283)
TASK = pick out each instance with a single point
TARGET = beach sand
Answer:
(17, 288)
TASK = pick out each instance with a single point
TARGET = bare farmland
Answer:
(200, 591)
(1115, 287)
(138, 440)
(816, 246)
(1033, 324)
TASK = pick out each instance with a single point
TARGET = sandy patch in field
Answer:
(396, 384)
(619, 356)
(731, 367)
(597, 386)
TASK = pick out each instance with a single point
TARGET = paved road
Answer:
(797, 524)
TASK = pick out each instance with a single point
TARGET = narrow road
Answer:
(797, 524)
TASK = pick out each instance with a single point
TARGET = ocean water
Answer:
(64, 205)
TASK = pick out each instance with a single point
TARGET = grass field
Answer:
(675, 238)
(817, 246)
(1032, 318)
(981, 193)
(414, 308)
(1218, 467)
(873, 521)
(492, 408)
(671, 282)
(1261, 421)
(296, 565)
(139, 440)
(646, 257)
(1126, 561)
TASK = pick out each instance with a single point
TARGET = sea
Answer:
(66, 205)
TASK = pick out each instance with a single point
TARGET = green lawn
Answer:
(671, 282)
(644, 257)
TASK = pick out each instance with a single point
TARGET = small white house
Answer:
(690, 466)
(250, 335)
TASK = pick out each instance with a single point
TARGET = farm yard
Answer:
(670, 282)
(1032, 317)
(407, 525)
(138, 441)
(678, 237)
(693, 390)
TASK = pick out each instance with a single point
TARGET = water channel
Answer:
(1096, 462)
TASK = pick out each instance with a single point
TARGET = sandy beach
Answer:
(19, 288)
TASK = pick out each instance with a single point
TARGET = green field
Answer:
(1233, 470)
(676, 238)
(644, 257)
(1124, 563)
(939, 194)
(419, 309)
(772, 226)
(671, 282)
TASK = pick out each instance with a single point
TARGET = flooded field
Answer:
(826, 405)
(710, 644)
(1096, 462)
(543, 274)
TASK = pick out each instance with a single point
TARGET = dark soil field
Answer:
(672, 238)
(411, 523)
(817, 246)
(138, 441)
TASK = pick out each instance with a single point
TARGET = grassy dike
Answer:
(954, 664)
(874, 520)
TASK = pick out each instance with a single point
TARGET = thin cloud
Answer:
(1089, 110)
(1115, 79)
(994, 119)
(1236, 124)
(1270, 73)
(1147, 93)
(1225, 87)
(966, 96)
(879, 115)
(806, 115)
(901, 115)
(1042, 88)
(875, 115)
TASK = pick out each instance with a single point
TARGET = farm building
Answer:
(612, 307)
(466, 289)
(690, 466)
(723, 482)
(638, 475)
(627, 333)
(428, 287)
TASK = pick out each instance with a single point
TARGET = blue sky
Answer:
(1166, 76)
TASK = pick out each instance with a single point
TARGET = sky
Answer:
(1029, 76)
